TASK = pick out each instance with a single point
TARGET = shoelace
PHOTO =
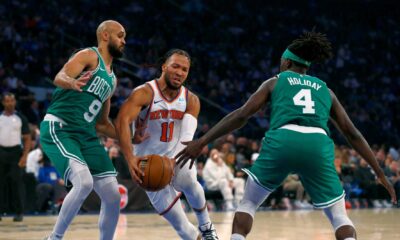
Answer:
(210, 234)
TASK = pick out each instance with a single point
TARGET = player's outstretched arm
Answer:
(342, 122)
(232, 121)
(129, 111)
(103, 124)
(66, 77)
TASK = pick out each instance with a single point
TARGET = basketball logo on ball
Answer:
(158, 171)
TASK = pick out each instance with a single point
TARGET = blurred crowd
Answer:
(234, 47)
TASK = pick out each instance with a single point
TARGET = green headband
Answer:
(287, 54)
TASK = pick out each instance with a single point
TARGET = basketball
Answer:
(158, 171)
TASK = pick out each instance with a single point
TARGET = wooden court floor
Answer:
(371, 224)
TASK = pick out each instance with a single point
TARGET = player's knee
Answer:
(114, 197)
(247, 206)
(337, 215)
(340, 221)
(85, 186)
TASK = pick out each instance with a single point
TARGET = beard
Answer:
(169, 83)
(114, 51)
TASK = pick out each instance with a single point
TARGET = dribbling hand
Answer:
(134, 169)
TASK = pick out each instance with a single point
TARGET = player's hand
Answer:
(79, 83)
(191, 152)
(134, 169)
(140, 133)
(389, 187)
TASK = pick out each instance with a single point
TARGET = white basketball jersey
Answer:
(163, 119)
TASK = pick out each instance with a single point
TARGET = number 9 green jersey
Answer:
(300, 99)
(80, 110)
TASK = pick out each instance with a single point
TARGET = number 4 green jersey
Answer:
(80, 110)
(300, 99)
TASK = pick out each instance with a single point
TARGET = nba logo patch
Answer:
(124, 196)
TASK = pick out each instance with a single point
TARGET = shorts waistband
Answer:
(51, 117)
(303, 129)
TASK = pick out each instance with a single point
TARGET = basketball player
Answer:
(79, 109)
(169, 111)
(298, 139)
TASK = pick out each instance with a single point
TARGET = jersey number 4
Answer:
(303, 98)
(167, 131)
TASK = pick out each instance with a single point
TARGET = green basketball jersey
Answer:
(81, 109)
(300, 99)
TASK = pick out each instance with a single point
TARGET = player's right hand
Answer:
(134, 169)
(79, 83)
(389, 187)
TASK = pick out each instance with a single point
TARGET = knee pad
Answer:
(81, 178)
(337, 215)
(107, 189)
(254, 196)
(247, 206)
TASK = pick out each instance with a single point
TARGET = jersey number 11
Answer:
(167, 131)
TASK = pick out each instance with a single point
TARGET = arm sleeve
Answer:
(189, 126)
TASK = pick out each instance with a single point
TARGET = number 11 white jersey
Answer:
(163, 119)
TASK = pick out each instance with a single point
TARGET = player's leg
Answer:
(254, 196)
(82, 183)
(65, 155)
(105, 185)
(185, 181)
(107, 189)
(320, 180)
(167, 204)
(266, 174)
(341, 223)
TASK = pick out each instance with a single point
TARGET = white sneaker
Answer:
(387, 204)
(377, 204)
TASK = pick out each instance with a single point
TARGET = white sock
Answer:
(82, 182)
(107, 189)
(350, 238)
(237, 236)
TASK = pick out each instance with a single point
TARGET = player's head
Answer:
(112, 34)
(9, 102)
(311, 47)
(175, 68)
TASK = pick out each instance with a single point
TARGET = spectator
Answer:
(218, 176)
(50, 188)
(292, 183)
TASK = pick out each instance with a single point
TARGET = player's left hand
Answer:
(140, 133)
(191, 152)
(389, 187)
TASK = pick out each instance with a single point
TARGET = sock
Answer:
(350, 238)
(237, 236)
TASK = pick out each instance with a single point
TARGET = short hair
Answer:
(312, 46)
(176, 51)
(7, 94)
